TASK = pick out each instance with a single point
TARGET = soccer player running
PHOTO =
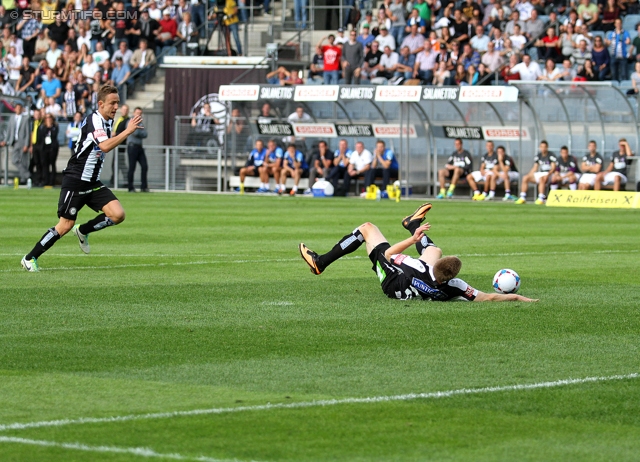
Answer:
(81, 183)
(430, 277)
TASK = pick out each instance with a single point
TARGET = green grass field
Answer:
(201, 302)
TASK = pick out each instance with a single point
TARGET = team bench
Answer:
(254, 182)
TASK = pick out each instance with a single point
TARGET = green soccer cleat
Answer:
(83, 239)
(521, 201)
(418, 216)
(30, 265)
(540, 201)
(440, 196)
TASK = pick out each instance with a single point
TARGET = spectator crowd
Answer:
(478, 42)
(57, 54)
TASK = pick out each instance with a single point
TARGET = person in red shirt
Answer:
(168, 30)
(548, 47)
(332, 54)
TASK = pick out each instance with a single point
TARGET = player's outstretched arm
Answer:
(403, 245)
(134, 123)
(482, 297)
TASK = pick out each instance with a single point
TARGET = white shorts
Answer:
(481, 176)
(588, 178)
(539, 175)
(565, 179)
(610, 177)
(513, 176)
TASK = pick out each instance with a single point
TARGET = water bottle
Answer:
(378, 194)
(29, 183)
(16, 183)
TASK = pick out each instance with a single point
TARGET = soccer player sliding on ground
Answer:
(81, 183)
(431, 276)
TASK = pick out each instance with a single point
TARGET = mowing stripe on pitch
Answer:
(318, 403)
(143, 452)
(286, 260)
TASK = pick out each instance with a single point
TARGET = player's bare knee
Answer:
(117, 217)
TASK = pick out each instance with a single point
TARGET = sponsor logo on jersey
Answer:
(426, 289)
(469, 292)
(399, 259)
(99, 134)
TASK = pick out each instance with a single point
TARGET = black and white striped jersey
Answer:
(87, 159)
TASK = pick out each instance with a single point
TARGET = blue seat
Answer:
(630, 21)
(544, 18)
(598, 33)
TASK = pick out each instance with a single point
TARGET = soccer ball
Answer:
(506, 281)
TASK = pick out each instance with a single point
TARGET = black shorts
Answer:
(394, 284)
(72, 200)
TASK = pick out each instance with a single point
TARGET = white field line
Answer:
(284, 260)
(318, 403)
(143, 452)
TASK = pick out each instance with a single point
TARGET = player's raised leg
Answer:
(50, 237)
(113, 214)
(367, 232)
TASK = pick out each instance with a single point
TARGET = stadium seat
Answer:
(598, 33)
(633, 34)
(544, 18)
(629, 22)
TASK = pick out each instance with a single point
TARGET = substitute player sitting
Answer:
(430, 277)
(616, 173)
(384, 164)
(295, 165)
(567, 171)
(459, 165)
(543, 165)
(591, 165)
(273, 163)
(81, 183)
(507, 173)
(487, 173)
(252, 168)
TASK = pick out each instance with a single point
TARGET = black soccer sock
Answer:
(98, 223)
(44, 244)
(423, 243)
(348, 244)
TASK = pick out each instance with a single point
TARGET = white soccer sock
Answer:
(523, 195)
(295, 188)
(573, 186)
(476, 192)
(492, 193)
(554, 187)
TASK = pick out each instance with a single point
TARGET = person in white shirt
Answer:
(13, 62)
(517, 39)
(340, 38)
(524, 7)
(582, 33)
(388, 63)
(53, 54)
(550, 72)
(84, 38)
(384, 39)
(359, 163)
(100, 55)
(89, 68)
(52, 107)
(479, 41)
(154, 11)
(528, 70)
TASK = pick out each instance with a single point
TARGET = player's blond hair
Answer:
(446, 269)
